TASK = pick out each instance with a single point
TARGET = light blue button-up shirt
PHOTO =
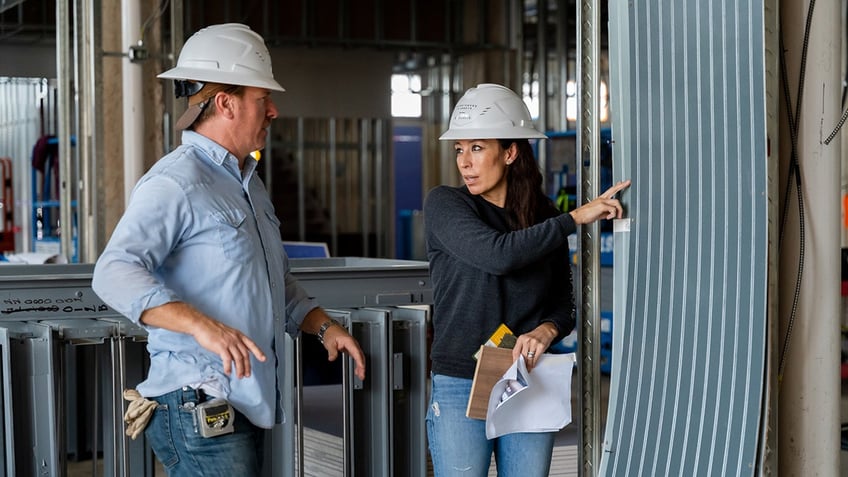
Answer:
(199, 230)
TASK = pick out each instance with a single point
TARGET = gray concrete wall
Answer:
(333, 82)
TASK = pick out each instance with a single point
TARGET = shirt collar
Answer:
(217, 153)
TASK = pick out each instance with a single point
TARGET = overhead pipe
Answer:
(64, 93)
(133, 106)
(89, 83)
(173, 106)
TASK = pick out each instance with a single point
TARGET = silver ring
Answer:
(530, 354)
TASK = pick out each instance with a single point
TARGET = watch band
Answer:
(326, 325)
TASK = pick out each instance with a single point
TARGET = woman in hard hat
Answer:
(498, 254)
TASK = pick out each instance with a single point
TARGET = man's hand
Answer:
(233, 346)
(336, 340)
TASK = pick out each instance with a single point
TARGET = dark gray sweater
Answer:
(483, 275)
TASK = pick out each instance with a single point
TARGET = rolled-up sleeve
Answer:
(298, 302)
(124, 276)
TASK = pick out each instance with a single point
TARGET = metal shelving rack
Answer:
(47, 310)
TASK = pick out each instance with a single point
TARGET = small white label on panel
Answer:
(621, 225)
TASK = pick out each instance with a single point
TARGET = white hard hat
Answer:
(491, 111)
(226, 54)
(230, 53)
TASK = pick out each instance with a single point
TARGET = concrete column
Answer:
(809, 391)
(110, 180)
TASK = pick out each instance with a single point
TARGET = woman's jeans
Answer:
(458, 445)
(184, 452)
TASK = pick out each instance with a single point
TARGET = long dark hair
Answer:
(526, 202)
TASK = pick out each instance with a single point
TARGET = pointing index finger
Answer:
(619, 186)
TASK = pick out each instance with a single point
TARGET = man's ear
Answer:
(224, 105)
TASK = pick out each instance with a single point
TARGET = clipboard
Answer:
(492, 363)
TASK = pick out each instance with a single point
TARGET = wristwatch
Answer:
(327, 324)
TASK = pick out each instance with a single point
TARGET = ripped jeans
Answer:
(458, 445)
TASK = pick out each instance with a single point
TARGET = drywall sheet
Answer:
(689, 125)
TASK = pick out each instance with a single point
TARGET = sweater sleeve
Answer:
(452, 223)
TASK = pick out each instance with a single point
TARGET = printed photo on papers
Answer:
(513, 387)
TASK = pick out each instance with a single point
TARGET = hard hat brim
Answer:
(197, 74)
(469, 134)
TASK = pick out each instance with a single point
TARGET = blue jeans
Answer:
(184, 452)
(458, 445)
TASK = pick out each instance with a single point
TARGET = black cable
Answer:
(837, 128)
(844, 93)
(787, 97)
(794, 168)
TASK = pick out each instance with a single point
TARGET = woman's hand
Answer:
(531, 345)
(604, 207)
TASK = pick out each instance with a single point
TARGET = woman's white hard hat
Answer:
(230, 53)
(491, 111)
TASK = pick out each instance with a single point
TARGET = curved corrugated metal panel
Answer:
(689, 127)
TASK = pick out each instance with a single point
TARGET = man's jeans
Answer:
(458, 445)
(184, 452)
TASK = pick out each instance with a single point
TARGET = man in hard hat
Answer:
(198, 261)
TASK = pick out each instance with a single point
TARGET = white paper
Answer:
(537, 401)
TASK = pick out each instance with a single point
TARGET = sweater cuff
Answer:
(567, 223)
(559, 336)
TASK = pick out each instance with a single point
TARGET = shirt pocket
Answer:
(271, 230)
(234, 234)
(275, 222)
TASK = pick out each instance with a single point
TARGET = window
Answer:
(406, 96)
(530, 93)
